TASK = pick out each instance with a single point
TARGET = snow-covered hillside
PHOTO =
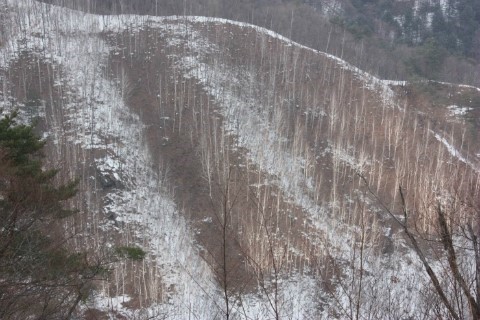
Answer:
(255, 172)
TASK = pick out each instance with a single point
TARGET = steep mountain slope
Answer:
(255, 172)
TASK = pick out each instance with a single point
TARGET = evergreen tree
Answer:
(40, 277)
(469, 23)
(409, 33)
(442, 30)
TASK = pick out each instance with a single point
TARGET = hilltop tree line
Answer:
(386, 37)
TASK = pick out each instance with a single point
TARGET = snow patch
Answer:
(455, 110)
(454, 152)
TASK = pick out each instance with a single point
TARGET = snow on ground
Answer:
(455, 152)
(249, 122)
(96, 117)
(464, 86)
(455, 110)
(295, 295)
(73, 21)
(100, 117)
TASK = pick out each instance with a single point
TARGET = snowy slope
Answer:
(96, 116)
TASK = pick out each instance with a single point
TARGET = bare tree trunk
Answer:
(426, 264)
(447, 242)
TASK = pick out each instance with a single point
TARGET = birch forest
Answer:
(224, 171)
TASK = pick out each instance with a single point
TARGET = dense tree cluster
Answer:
(41, 277)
